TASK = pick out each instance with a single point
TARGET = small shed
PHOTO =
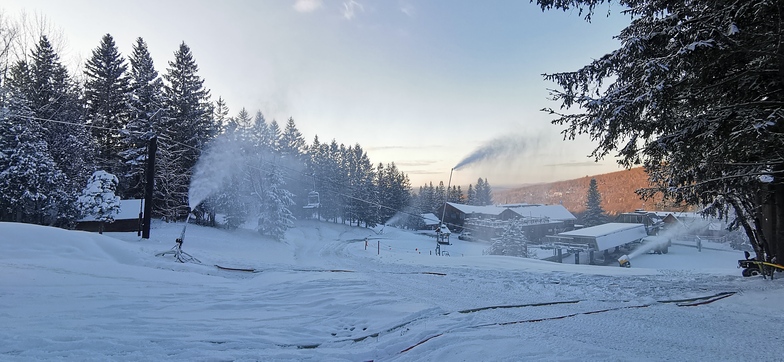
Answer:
(128, 220)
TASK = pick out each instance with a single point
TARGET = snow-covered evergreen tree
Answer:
(275, 216)
(220, 113)
(394, 191)
(362, 201)
(272, 136)
(98, 199)
(694, 93)
(325, 170)
(31, 184)
(292, 147)
(107, 96)
(594, 214)
(53, 97)
(455, 195)
(483, 193)
(512, 242)
(189, 120)
(291, 144)
(147, 113)
(440, 196)
(471, 195)
(430, 199)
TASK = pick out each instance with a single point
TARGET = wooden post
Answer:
(378, 246)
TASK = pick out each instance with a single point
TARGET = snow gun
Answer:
(182, 234)
(177, 252)
(624, 261)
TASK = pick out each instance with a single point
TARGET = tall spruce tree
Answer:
(273, 136)
(106, 95)
(147, 112)
(471, 195)
(53, 98)
(484, 194)
(292, 147)
(291, 144)
(331, 179)
(594, 214)
(275, 216)
(362, 198)
(189, 121)
(694, 93)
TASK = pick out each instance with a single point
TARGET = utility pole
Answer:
(152, 148)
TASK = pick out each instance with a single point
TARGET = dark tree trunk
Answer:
(777, 237)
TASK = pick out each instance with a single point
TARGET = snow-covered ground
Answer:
(320, 295)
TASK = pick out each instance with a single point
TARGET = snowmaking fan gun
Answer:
(624, 262)
(753, 267)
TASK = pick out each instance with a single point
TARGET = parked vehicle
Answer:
(466, 235)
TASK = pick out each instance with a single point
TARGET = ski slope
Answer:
(320, 295)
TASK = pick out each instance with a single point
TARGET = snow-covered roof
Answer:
(610, 235)
(512, 206)
(678, 214)
(129, 209)
(554, 212)
(485, 210)
(601, 230)
(430, 218)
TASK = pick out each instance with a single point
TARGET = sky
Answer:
(422, 84)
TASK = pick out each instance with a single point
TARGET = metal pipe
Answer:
(446, 196)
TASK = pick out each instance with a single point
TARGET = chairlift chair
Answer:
(313, 200)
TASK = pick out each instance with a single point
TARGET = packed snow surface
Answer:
(331, 292)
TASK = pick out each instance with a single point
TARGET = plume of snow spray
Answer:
(215, 166)
(498, 149)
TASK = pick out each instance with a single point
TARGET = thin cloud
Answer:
(424, 172)
(414, 163)
(407, 9)
(350, 8)
(306, 6)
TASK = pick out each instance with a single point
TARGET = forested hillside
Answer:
(617, 190)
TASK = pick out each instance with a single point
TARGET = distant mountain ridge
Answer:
(617, 190)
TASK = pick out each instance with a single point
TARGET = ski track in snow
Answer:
(321, 296)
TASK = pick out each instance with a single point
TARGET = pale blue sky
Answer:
(420, 83)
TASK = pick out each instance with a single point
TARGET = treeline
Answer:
(57, 131)
(430, 198)
(58, 128)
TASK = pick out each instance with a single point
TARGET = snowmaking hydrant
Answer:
(623, 261)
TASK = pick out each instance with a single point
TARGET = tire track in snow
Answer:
(679, 302)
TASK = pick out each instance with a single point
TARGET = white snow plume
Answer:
(398, 218)
(501, 149)
(649, 244)
(217, 164)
